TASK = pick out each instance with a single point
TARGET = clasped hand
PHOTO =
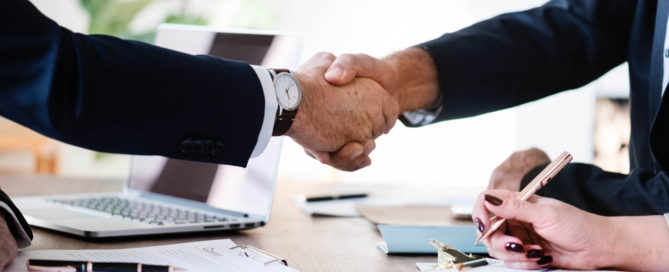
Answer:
(337, 124)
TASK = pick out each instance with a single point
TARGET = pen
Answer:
(334, 197)
(539, 181)
(86, 266)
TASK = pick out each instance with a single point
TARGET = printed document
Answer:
(205, 256)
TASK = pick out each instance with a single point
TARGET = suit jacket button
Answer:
(218, 147)
(186, 146)
(209, 148)
(197, 146)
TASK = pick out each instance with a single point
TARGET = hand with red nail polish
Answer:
(544, 232)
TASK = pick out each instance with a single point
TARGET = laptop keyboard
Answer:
(143, 211)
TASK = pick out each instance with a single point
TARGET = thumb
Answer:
(515, 209)
(339, 75)
(348, 66)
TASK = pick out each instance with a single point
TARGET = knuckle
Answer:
(325, 55)
(363, 56)
(346, 60)
(513, 204)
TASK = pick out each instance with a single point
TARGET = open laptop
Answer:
(165, 195)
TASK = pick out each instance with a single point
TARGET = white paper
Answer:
(346, 207)
(205, 256)
(494, 265)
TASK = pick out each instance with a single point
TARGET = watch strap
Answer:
(284, 118)
(283, 122)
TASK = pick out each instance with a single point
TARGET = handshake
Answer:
(349, 101)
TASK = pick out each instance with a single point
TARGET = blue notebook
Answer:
(415, 239)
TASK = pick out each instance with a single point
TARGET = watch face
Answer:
(288, 91)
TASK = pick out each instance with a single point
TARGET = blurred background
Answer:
(591, 122)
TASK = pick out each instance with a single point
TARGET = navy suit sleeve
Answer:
(113, 95)
(592, 189)
(519, 57)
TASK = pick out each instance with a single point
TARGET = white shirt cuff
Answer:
(23, 240)
(666, 217)
(423, 117)
(270, 110)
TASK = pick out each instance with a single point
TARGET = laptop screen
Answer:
(246, 190)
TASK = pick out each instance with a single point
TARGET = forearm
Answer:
(112, 95)
(416, 76)
(638, 243)
(523, 56)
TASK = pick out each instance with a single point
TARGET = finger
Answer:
(353, 165)
(319, 62)
(391, 110)
(506, 247)
(370, 145)
(480, 215)
(519, 230)
(362, 160)
(480, 212)
(512, 208)
(347, 153)
(352, 156)
(533, 251)
(347, 66)
(379, 125)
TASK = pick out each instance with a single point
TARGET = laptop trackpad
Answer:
(58, 214)
(84, 221)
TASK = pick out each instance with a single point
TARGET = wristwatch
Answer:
(289, 95)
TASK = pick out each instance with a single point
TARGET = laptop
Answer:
(164, 195)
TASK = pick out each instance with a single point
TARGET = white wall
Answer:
(460, 152)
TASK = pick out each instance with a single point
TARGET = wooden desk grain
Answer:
(307, 243)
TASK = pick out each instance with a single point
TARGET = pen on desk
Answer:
(539, 181)
(334, 197)
(86, 266)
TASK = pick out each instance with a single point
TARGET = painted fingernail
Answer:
(493, 200)
(479, 224)
(514, 247)
(534, 253)
(545, 260)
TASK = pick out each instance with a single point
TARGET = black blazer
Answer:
(119, 96)
(519, 57)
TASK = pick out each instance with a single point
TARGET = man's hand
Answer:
(408, 75)
(8, 246)
(508, 175)
(350, 157)
(332, 116)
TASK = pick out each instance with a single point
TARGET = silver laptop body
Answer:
(165, 195)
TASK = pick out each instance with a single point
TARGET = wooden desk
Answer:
(307, 243)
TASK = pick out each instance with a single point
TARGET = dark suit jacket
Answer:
(519, 57)
(112, 95)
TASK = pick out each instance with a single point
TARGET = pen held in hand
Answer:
(86, 266)
(539, 181)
